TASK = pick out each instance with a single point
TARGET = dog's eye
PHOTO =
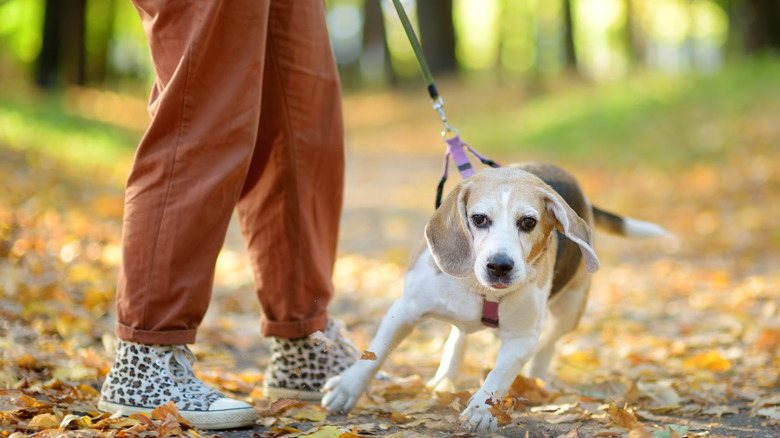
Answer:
(480, 220)
(526, 223)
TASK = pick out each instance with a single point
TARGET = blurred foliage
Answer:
(518, 40)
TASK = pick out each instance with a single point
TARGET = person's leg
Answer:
(187, 176)
(291, 203)
(190, 166)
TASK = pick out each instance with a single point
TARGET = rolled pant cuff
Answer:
(148, 337)
(295, 329)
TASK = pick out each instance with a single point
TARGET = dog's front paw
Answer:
(341, 394)
(477, 417)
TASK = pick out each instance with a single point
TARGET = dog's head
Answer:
(496, 224)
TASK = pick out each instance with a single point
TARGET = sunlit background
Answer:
(101, 42)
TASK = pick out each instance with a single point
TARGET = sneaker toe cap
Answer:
(228, 404)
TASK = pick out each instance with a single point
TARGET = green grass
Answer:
(39, 126)
(649, 118)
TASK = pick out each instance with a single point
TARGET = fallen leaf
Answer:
(772, 413)
(310, 415)
(621, 417)
(531, 390)
(282, 431)
(671, 431)
(710, 361)
(639, 432)
(282, 405)
(44, 421)
(169, 409)
(719, 411)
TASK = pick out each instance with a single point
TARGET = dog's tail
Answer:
(626, 226)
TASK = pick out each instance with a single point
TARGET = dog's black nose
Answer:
(500, 265)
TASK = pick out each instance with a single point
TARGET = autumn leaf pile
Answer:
(680, 338)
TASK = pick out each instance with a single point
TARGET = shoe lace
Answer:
(177, 364)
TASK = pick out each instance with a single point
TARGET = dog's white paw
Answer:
(341, 395)
(477, 417)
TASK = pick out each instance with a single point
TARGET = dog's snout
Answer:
(500, 265)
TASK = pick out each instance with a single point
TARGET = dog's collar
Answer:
(489, 313)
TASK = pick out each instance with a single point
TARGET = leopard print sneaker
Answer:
(298, 368)
(144, 377)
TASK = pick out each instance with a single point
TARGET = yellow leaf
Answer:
(117, 423)
(576, 367)
(282, 431)
(45, 421)
(29, 402)
(77, 422)
(325, 432)
(87, 390)
(310, 415)
(621, 417)
(710, 361)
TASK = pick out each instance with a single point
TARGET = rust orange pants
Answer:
(246, 115)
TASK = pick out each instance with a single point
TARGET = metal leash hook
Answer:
(455, 149)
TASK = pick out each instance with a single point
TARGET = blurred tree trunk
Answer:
(63, 52)
(762, 25)
(569, 51)
(437, 34)
(100, 27)
(635, 44)
(375, 58)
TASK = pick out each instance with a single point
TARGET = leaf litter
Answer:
(680, 338)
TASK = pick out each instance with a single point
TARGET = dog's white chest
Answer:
(440, 296)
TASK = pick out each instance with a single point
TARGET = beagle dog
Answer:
(510, 248)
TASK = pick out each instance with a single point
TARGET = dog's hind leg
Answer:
(563, 316)
(451, 361)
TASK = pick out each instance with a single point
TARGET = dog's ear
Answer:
(572, 226)
(448, 235)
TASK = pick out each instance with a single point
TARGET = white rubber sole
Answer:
(208, 420)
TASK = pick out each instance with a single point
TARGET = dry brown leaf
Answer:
(640, 432)
(621, 417)
(769, 340)
(143, 418)
(280, 406)
(169, 409)
(45, 421)
(394, 417)
(29, 402)
(531, 390)
(282, 431)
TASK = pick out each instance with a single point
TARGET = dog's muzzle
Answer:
(499, 267)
